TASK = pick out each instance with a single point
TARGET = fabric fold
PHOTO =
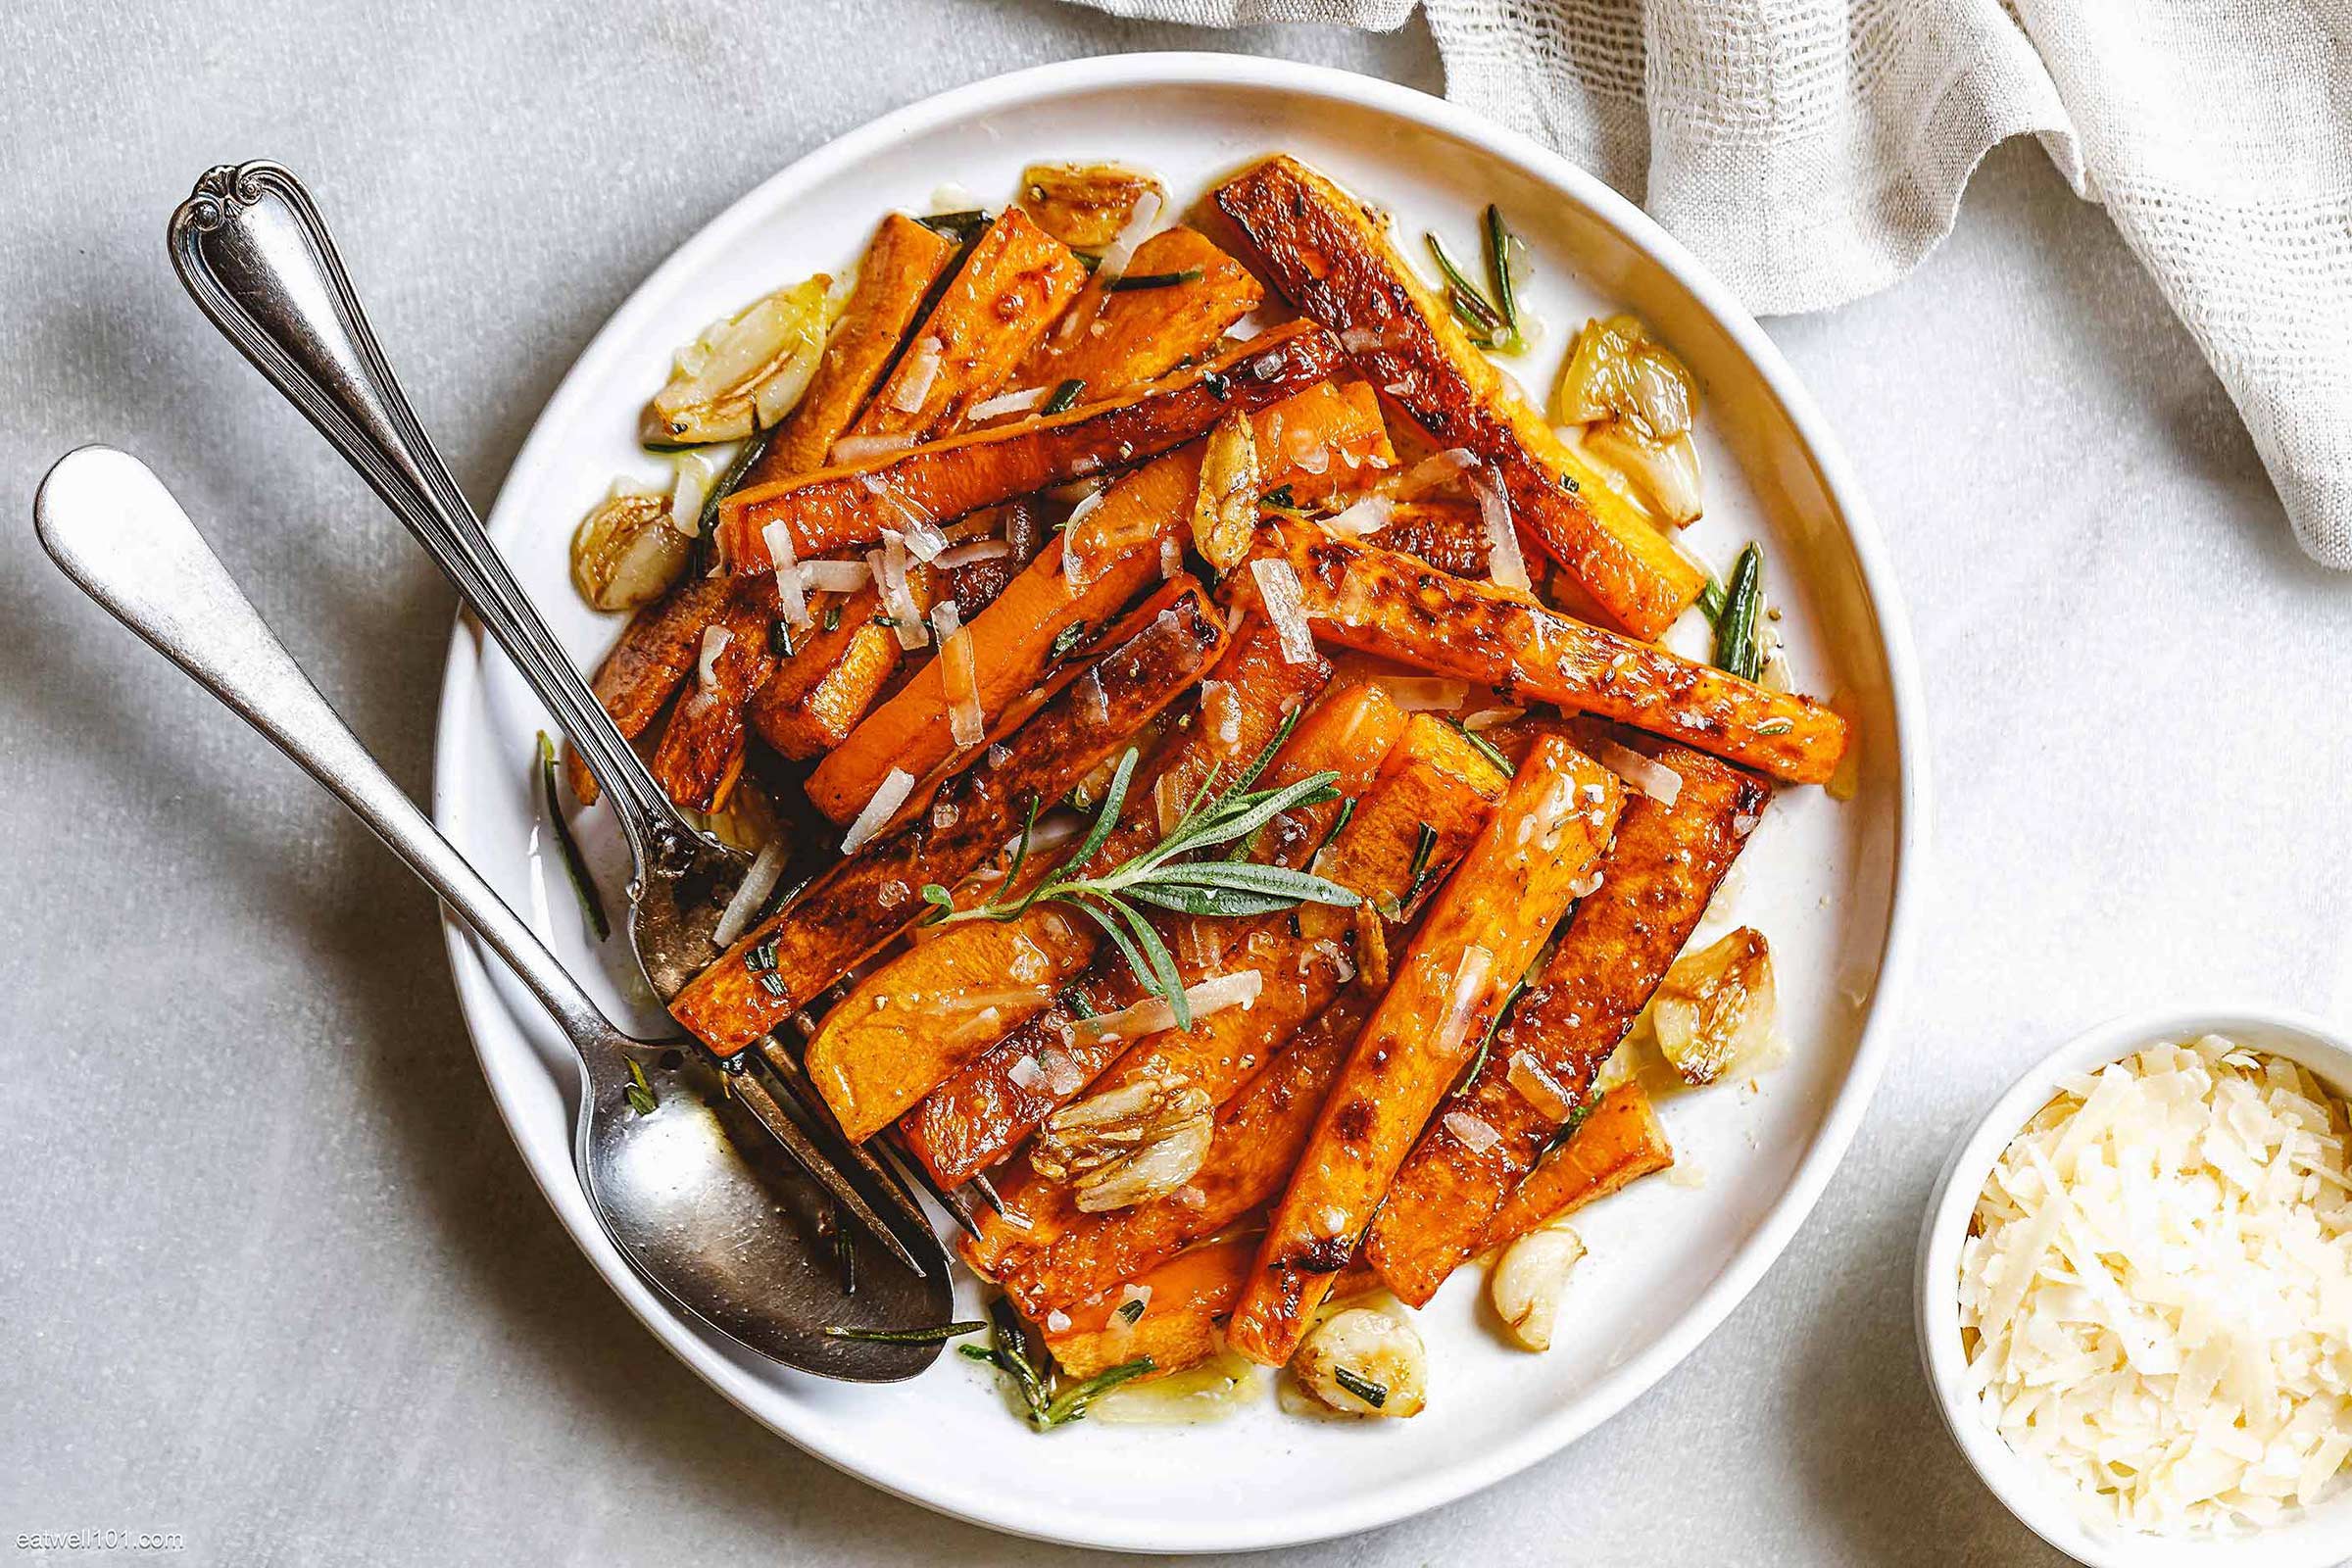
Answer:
(1815, 151)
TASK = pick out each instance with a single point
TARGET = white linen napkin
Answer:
(1812, 151)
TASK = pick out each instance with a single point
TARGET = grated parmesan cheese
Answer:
(2156, 1292)
(892, 794)
(1286, 606)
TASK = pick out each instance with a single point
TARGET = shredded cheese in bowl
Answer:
(2156, 1290)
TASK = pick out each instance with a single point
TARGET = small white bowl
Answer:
(2320, 1537)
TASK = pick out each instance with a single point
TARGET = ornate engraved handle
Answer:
(256, 258)
(112, 527)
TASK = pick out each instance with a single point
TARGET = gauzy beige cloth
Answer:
(1812, 151)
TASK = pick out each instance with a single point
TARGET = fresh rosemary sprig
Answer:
(1735, 646)
(937, 1334)
(1424, 846)
(1048, 1407)
(575, 866)
(1164, 878)
(640, 1093)
(1071, 1404)
(1491, 320)
(1142, 281)
(1375, 1394)
(1483, 746)
(1710, 599)
(962, 226)
(1500, 243)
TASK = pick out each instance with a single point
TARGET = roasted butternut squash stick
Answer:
(1184, 1298)
(816, 694)
(1014, 281)
(1333, 257)
(1619, 1142)
(1655, 883)
(974, 581)
(847, 506)
(1014, 640)
(901, 262)
(701, 752)
(657, 648)
(915, 1019)
(873, 894)
(1448, 534)
(1361, 596)
(989, 1104)
(1108, 342)
(1476, 941)
(1411, 824)
(1259, 1139)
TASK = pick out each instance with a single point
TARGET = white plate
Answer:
(1826, 882)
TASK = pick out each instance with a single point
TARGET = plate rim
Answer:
(1037, 1518)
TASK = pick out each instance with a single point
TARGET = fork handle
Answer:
(254, 253)
(112, 527)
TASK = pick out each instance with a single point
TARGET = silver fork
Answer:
(252, 250)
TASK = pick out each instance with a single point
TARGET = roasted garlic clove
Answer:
(1363, 1363)
(1527, 1280)
(1225, 510)
(627, 551)
(1159, 1167)
(1663, 475)
(1085, 206)
(1715, 1006)
(744, 374)
(1126, 1145)
(1617, 370)
(1636, 403)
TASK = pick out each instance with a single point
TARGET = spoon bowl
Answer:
(706, 1208)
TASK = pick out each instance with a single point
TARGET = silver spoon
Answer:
(254, 253)
(726, 1244)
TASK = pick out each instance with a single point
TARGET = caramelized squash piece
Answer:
(1619, 1141)
(1363, 596)
(656, 652)
(1478, 938)
(701, 752)
(1112, 340)
(1331, 256)
(1184, 1300)
(1015, 279)
(901, 262)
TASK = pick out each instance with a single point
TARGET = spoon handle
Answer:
(254, 253)
(112, 527)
